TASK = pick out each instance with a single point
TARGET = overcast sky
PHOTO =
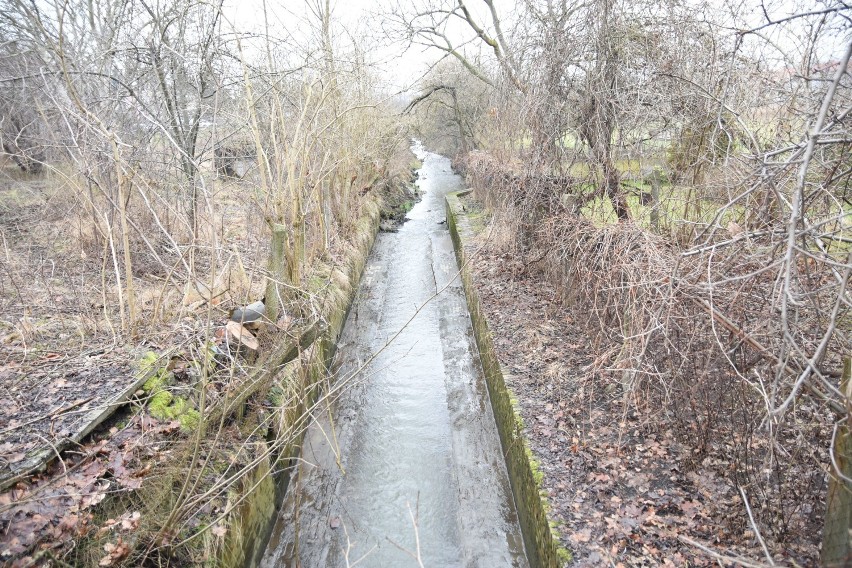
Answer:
(362, 19)
(401, 68)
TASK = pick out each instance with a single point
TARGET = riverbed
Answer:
(403, 465)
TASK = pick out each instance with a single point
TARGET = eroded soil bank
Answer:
(406, 460)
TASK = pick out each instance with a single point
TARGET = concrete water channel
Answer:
(406, 457)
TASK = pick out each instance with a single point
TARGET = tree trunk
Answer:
(612, 179)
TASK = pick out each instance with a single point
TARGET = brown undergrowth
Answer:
(109, 498)
(651, 376)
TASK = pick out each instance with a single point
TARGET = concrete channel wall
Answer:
(260, 491)
(252, 520)
(541, 547)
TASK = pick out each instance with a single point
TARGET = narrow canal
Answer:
(414, 455)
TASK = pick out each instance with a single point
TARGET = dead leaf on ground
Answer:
(115, 553)
(131, 522)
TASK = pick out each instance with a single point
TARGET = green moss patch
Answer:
(162, 403)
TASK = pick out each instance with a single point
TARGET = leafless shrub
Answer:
(731, 310)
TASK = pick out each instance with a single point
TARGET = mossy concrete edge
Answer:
(542, 548)
(251, 523)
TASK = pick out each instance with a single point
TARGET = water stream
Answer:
(414, 438)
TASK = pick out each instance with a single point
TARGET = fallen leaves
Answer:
(14, 458)
(581, 536)
(115, 553)
(126, 523)
(616, 481)
(55, 507)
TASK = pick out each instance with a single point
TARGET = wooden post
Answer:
(276, 270)
(838, 504)
(655, 199)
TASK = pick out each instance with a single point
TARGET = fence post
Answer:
(656, 182)
(838, 504)
(276, 271)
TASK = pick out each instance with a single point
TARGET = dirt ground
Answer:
(64, 358)
(622, 487)
(64, 361)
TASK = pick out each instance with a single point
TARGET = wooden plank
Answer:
(279, 355)
(838, 504)
(39, 459)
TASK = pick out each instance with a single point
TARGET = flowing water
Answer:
(414, 460)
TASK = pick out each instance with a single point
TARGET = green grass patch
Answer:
(676, 209)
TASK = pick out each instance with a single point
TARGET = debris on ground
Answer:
(623, 488)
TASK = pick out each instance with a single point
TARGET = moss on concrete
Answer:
(254, 500)
(159, 403)
(165, 406)
(148, 362)
(158, 381)
(543, 549)
(251, 523)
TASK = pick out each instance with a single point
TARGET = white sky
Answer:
(401, 68)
